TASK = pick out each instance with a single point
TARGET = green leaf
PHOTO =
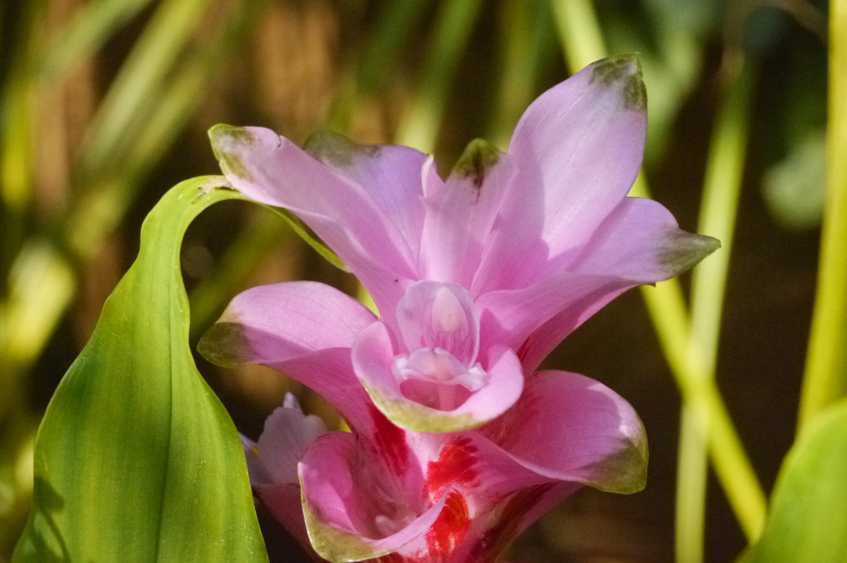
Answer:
(809, 511)
(136, 458)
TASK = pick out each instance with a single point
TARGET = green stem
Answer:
(691, 482)
(579, 32)
(666, 306)
(722, 187)
(825, 379)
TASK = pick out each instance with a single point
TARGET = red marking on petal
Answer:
(393, 557)
(507, 525)
(448, 531)
(390, 441)
(523, 351)
(456, 465)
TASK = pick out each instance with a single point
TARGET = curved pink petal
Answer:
(640, 241)
(354, 509)
(510, 317)
(272, 463)
(595, 437)
(288, 432)
(352, 219)
(578, 149)
(373, 358)
(390, 174)
(276, 322)
(459, 216)
(304, 329)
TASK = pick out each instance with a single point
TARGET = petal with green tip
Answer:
(460, 215)
(578, 148)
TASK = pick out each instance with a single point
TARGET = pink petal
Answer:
(304, 329)
(272, 464)
(354, 220)
(595, 436)
(460, 214)
(640, 241)
(287, 433)
(510, 317)
(578, 149)
(273, 323)
(353, 508)
(373, 356)
(390, 174)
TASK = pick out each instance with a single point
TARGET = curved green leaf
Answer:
(136, 458)
(808, 518)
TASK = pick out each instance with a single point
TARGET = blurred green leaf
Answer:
(795, 188)
(137, 459)
(809, 508)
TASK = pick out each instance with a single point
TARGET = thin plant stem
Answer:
(583, 43)
(825, 378)
(579, 32)
(721, 191)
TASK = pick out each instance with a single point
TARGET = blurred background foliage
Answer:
(104, 104)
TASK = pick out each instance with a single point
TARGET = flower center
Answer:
(440, 328)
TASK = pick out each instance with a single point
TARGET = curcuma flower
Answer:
(477, 278)
(456, 443)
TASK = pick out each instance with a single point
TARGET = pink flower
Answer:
(477, 278)
(405, 497)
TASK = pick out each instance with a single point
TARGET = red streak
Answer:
(456, 465)
(390, 441)
(449, 529)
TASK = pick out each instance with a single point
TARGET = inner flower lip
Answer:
(435, 378)
(438, 366)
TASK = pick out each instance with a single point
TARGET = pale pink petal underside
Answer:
(288, 432)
